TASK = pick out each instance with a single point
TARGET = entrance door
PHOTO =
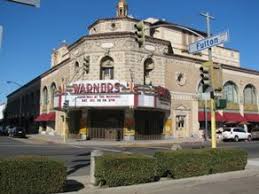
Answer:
(106, 124)
(149, 125)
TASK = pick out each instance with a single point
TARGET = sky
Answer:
(30, 34)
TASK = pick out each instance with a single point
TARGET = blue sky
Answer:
(30, 34)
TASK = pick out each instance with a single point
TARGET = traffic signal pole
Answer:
(212, 100)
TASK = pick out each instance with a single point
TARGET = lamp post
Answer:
(20, 100)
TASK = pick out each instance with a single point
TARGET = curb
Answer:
(178, 183)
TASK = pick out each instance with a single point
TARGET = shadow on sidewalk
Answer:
(72, 185)
(82, 163)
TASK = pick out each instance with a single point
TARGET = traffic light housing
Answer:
(86, 64)
(221, 104)
(216, 78)
(140, 33)
(205, 70)
(66, 105)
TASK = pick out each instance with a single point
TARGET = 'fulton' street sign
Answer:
(208, 42)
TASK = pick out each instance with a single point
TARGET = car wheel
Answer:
(236, 138)
(249, 138)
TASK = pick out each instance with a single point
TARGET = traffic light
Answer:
(216, 78)
(205, 73)
(221, 104)
(140, 32)
(86, 64)
(66, 105)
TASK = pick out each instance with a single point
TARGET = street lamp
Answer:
(20, 103)
(13, 82)
(34, 3)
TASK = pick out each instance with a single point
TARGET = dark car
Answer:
(255, 133)
(3, 131)
(18, 132)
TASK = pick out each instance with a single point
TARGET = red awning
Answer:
(233, 117)
(46, 117)
(252, 117)
(219, 118)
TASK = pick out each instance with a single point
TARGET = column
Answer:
(168, 128)
(129, 125)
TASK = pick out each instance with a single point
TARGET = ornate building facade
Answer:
(105, 86)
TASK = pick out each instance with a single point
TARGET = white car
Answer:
(236, 134)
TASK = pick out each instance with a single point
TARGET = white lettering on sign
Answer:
(208, 42)
(96, 87)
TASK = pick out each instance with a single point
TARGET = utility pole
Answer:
(212, 100)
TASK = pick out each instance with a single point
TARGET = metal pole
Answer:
(212, 101)
(206, 121)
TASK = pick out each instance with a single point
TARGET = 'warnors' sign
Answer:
(96, 87)
(208, 42)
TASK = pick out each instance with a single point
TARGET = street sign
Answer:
(208, 42)
(35, 3)
(1, 35)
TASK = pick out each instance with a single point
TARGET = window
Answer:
(53, 89)
(180, 122)
(107, 68)
(249, 94)
(230, 92)
(76, 68)
(148, 67)
(45, 96)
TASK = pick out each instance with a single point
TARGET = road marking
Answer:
(253, 162)
(111, 150)
(162, 148)
(76, 146)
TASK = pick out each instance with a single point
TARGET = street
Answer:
(77, 157)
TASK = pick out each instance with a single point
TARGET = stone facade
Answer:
(172, 67)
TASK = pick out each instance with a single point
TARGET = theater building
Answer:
(105, 86)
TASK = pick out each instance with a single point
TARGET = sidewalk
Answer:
(139, 143)
(238, 182)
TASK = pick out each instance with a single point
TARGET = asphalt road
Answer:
(77, 158)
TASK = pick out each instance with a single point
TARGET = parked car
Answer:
(18, 132)
(255, 133)
(236, 134)
(3, 131)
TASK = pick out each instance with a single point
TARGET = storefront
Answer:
(115, 110)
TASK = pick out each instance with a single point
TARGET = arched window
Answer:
(76, 67)
(230, 92)
(53, 89)
(107, 68)
(148, 67)
(249, 94)
(45, 96)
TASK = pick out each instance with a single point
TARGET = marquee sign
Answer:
(113, 93)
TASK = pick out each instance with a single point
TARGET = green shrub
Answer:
(121, 169)
(31, 175)
(183, 163)
(224, 160)
(189, 163)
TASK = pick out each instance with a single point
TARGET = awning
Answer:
(219, 118)
(233, 117)
(252, 117)
(46, 117)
